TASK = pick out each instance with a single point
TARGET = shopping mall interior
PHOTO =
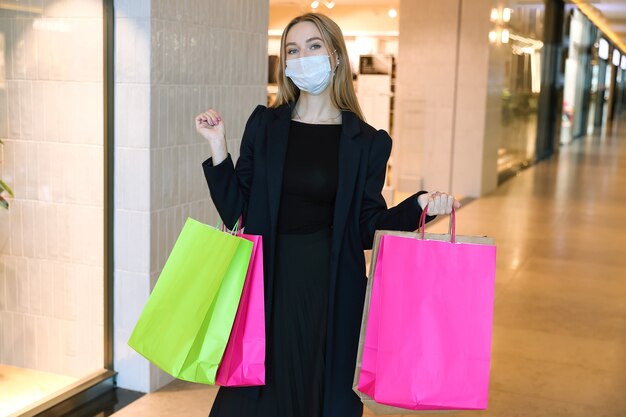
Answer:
(518, 107)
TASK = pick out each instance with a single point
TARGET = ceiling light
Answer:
(494, 15)
(506, 14)
(393, 13)
(315, 4)
(329, 4)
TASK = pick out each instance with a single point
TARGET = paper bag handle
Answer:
(451, 225)
(221, 226)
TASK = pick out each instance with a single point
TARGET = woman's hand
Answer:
(438, 203)
(210, 126)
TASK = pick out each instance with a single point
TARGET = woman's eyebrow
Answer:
(307, 41)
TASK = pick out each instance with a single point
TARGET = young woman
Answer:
(309, 180)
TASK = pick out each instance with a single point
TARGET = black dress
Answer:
(297, 332)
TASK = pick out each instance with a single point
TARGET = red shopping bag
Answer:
(243, 363)
(426, 334)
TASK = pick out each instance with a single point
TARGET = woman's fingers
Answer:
(208, 119)
(441, 203)
(449, 203)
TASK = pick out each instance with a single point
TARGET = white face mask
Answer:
(311, 73)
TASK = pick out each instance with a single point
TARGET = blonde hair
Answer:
(342, 94)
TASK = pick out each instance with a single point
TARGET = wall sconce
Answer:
(504, 38)
(392, 13)
(495, 15)
(501, 16)
(493, 36)
(506, 15)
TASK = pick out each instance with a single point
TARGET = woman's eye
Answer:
(316, 46)
(291, 51)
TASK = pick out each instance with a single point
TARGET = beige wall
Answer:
(174, 59)
(51, 239)
(441, 98)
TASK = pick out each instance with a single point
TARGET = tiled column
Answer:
(173, 60)
(441, 98)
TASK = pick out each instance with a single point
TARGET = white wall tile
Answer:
(63, 231)
(85, 8)
(132, 108)
(16, 228)
(14, 109)
(30, 342)
(28, 229)
(22, 285)
(35, 293)
(132, 245)
(131, 293)
(47, 288)
(42, 350)
(2, 286)
(19, 340)
(132, 8)
(5, 236)
(87, 235)
(18, 27)
(132, 173)
(26, 115)
(59, 289)
(52, 235)
(7, 344)
(133, 369)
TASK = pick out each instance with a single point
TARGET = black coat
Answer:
(253, 188)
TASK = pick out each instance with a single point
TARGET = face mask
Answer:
(311, 74)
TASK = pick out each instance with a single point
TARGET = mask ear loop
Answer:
(336, 61)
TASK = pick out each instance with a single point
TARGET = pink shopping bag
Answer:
(427, 341)
(243, 363)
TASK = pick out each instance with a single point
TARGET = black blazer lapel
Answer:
(349, 157)
(278, 135)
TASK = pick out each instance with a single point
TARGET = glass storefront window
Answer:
(52, 234)
(515, 83)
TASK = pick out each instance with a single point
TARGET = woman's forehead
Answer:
(302, 32)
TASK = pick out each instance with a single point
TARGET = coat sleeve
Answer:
(374, 212)
(229, 185)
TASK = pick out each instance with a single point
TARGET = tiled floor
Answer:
(559, 346)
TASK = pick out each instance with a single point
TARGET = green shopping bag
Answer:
(186, 322)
